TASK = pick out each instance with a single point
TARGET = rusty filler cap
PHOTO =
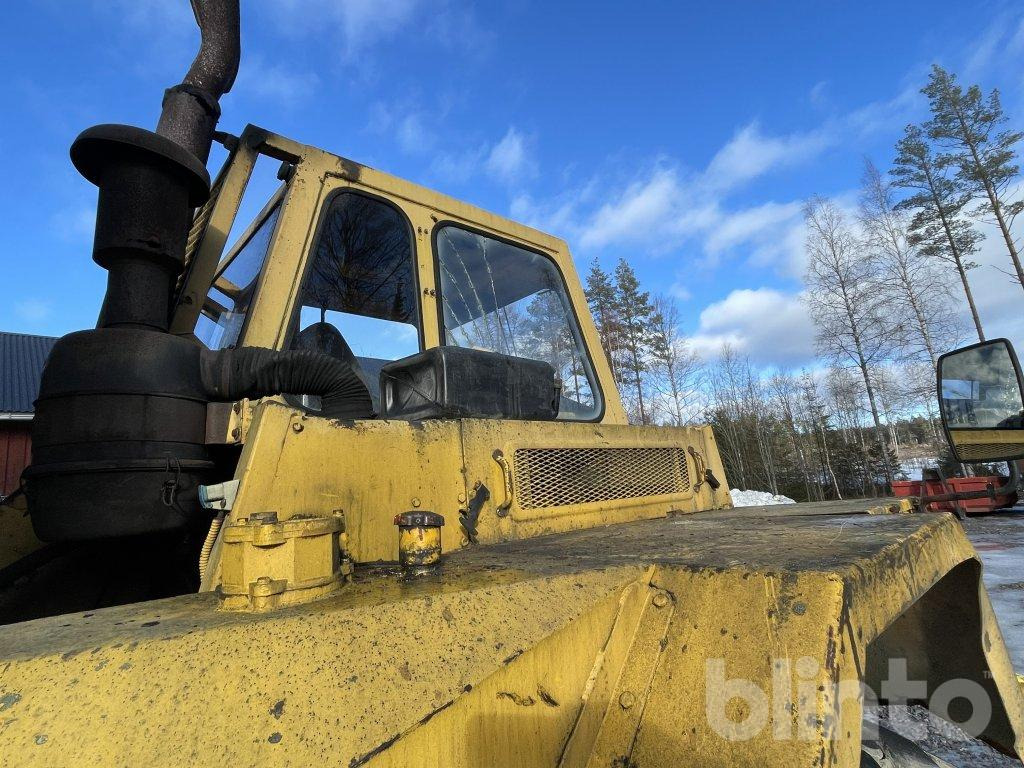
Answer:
(418, 519)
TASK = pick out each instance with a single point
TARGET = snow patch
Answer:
(757, 498)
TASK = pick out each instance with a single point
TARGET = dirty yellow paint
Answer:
(297, 464)
(574, 649)
(317, 174)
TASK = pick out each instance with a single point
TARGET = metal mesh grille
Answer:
(980, 451)
(555, 477)
(195, 234)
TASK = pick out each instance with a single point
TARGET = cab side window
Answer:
(234, 287)
(361, 287)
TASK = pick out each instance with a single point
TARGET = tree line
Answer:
(886, 285)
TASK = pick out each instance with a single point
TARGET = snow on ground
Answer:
(911, 467)
(756, 498)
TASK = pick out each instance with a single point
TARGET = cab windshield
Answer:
(499, 297)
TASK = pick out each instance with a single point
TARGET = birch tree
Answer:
(676, 367)
(844, 301)
(920, 299)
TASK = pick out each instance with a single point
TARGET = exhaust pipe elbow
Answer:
(191, 109)
(216, 64)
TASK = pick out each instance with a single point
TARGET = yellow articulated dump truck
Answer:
(242, 544)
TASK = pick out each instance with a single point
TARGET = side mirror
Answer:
(981, 402)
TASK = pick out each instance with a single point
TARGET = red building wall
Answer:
(15, 452)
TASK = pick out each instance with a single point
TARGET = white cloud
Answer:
(366, 21)
(76, 224)
(274, 82)
(769, 326)
(998, 297)
(749, 154)
(360, 23)
(153, 16)
(413, 136)
(643, 211)
(664, 206)
(885, 115)
(679, 291)
(509, 160)
(748, 223)
(818, 94)
(1002, 38)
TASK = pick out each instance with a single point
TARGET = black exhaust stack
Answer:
(119, 431)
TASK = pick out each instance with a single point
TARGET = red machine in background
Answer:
(933, 484)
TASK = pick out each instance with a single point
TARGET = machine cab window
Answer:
(500, 297)
(234, 287)
(359, 295)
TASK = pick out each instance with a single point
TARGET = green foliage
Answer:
(938, 227)
(600, 292)
(968, 125)
(636, 317)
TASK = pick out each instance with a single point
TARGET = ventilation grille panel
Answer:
(979, 451)
(556, 477)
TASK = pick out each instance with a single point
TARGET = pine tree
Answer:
(969, 126)
(549, 338)
(635, 316)
(601, 297)
(938, 228)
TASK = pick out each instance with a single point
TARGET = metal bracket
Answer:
(468, 517)
(220, 496)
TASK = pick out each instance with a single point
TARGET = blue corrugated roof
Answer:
(21, 364)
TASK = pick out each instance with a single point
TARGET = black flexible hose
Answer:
(252, 372)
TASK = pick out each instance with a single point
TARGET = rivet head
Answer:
(296, 427)
(415, 501)
(626, 700)
(660, 600)
(462, 498)
(799, 609)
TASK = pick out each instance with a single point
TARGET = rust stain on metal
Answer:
(515, 698)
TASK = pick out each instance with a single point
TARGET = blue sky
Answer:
(682, 136)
